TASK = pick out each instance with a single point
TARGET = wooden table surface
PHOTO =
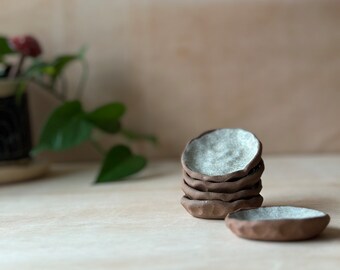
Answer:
(65, 222)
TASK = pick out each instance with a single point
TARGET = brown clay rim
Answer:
(226, 177)
(194, 194)
(217, 209)
(236, 215)
(231, 186)
(223, 187)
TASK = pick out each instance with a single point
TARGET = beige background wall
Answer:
(182, 67)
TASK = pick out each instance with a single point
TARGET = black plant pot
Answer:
(15, 133)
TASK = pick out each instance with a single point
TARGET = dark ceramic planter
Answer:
(15, 133)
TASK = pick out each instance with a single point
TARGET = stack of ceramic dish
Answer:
(222, 171)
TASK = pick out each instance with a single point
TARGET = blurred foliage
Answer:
(69, 125)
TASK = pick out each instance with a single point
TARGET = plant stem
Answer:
(97, 146)
(16, 70)
(49, 89)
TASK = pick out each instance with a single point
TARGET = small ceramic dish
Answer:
(22, 170)
(277, 223)
(232, 185)
(226, 197)
(221, 154)
(217, 209)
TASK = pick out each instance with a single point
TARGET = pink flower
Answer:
(26, 45)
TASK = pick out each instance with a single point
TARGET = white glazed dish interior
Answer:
(272, 213)
(221, 152)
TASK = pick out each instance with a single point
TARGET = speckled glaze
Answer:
(277, 226)
(227, 197)
(232, 185)
(226, 177)
(216, 209)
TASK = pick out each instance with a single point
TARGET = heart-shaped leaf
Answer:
(52, 69)
(59, 64)
(38, 68)
(107, 117)
(65, 128)
(120, 162)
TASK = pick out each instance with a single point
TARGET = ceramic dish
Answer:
(22, 170)
(221, 154)
(227, 197)
(232, 185)
(278, 223)
(216, 209)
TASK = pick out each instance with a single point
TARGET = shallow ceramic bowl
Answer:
(226, 197)
(277, 223)
(221, 154)
(217, 209)
(233, 185)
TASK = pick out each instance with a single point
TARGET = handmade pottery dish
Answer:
(217, 209)
(227, 197)
(277, 223)
(221, 154)
(232, 185)
(22, 170)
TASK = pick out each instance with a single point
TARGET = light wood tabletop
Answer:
(65, 222)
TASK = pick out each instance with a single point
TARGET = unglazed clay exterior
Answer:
(216, 209)
(227, 197)
(232, 185)
(278, 223)
(221, 154)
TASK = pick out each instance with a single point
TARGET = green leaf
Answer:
(107, 117)
(51, 69)
(5, 47)
(65, 128)
(37, 69)
(120, 162)
(132, 135)
(59, 64)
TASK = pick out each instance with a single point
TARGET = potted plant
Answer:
(15, 136)
(69, 124)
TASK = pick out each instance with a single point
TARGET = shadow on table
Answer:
(53, 174)
(156, 173)
(329, 234)
(49, 176)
